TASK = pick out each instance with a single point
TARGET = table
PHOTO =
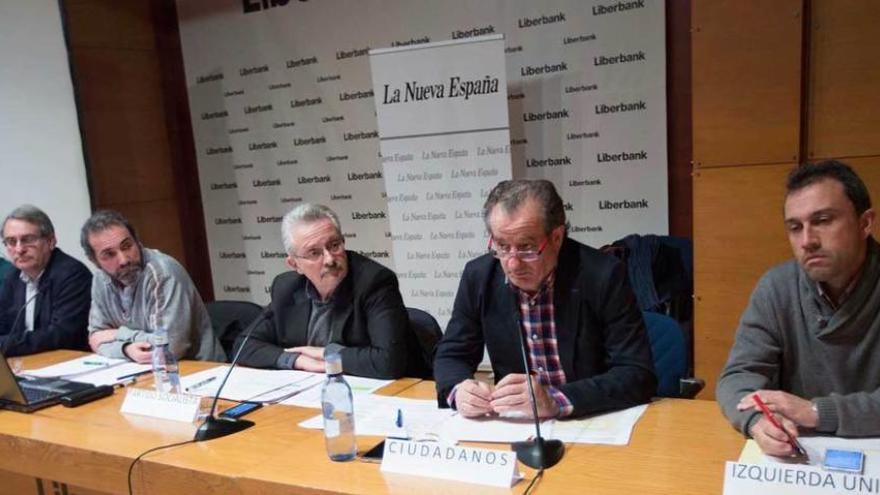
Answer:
(678, 447)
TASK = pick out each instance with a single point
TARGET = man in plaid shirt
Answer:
(586, 342)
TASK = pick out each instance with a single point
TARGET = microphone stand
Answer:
(538, 453)
(215, 427)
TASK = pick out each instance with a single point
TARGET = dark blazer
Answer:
(603, 345)
(61, 314)
(368, 318)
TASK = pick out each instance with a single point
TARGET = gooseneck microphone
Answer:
(22, 309)
(214, 427)
(538, 453)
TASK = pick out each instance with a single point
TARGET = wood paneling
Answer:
(844, 100)
(738, 235)
(679, 123)
(746, 81)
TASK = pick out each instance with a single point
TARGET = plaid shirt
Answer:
(537, 322)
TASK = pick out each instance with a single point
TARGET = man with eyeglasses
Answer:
(44, 302)
(138, 291)
(586, 342)
(334, 301)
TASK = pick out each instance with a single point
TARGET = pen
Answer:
(399, 421)
(791, 440)
(95, 363)
(131, 375)
(201, 384)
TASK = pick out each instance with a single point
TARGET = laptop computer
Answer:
(30, 394)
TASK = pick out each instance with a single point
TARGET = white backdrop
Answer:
(42, 158)
(283, 112)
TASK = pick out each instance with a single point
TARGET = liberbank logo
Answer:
(251, 6)
(614, 8)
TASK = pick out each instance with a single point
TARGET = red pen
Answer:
(769, 415)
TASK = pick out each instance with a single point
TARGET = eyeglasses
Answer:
(23, 241)
(335, 246)
(506, 252)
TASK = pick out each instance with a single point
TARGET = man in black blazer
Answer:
(44, 302)
(585, 338)
(334, 301)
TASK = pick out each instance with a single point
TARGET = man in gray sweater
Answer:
(809, 341)
(139, 290)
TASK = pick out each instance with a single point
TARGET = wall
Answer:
(774, 84)
(126, 68)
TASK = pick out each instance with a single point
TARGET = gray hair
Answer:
(511, 194)
(100, 221)
(32, 214)
(305, 213)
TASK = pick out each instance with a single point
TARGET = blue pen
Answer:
(399, 421)
(131, 375)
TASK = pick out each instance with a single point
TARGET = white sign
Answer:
(176, 407)
(793, 479)
(439, 170)
(437, 460)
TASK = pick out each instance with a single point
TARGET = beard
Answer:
(128, 275)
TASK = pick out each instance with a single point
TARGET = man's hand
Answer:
(310, 358)
(472, 398)
(139, 352)
(771, 439)
(511, 395)
(798, 410)
(101, 337)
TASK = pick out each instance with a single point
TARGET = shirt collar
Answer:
(545, 287)
(24, 278)
(821, 287)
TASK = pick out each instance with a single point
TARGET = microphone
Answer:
(21, 310)
(538, 453)
(214, 427)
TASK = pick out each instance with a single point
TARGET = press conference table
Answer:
(678, 447)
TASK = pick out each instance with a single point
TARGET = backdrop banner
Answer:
(444, 140)
(284, 111)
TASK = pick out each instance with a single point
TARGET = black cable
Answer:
(154, 449)
(539, 475)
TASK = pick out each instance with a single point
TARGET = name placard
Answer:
(793, 479)
(176, 407)
(434, 460)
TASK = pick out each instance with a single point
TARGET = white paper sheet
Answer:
(359, 386)
(251, 384)
(815, 447)
(610, 429)
(94, 369)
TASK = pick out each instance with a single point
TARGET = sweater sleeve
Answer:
(754, 360)
(848, 415)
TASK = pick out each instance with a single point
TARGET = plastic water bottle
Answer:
(338, 410)
(166, 374)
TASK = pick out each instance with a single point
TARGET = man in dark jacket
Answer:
(585, 339)
(334, 301)
(44, 302)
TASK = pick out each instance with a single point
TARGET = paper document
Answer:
(377, 415)
(94, 369)
(610, 429)
(815, 447)
(461, 429)
(247, 384)
(359, 386)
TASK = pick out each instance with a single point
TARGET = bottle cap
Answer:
(333, 364)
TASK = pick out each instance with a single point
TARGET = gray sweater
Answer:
(790, 338)
(163, 297)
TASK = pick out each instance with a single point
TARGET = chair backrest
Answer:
(421, 343)
(229, 318)
(669, 348)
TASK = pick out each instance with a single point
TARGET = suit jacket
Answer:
(368, 319)
(61, 314)
(603, 345)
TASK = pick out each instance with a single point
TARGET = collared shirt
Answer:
(31, 289)
(835, 305)
(538, 325)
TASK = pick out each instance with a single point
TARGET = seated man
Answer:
(807, 342)
(334, 301)
(44, 302)
(139, 290)
(586, 340)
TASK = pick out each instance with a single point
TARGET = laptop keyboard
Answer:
(37, 394)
